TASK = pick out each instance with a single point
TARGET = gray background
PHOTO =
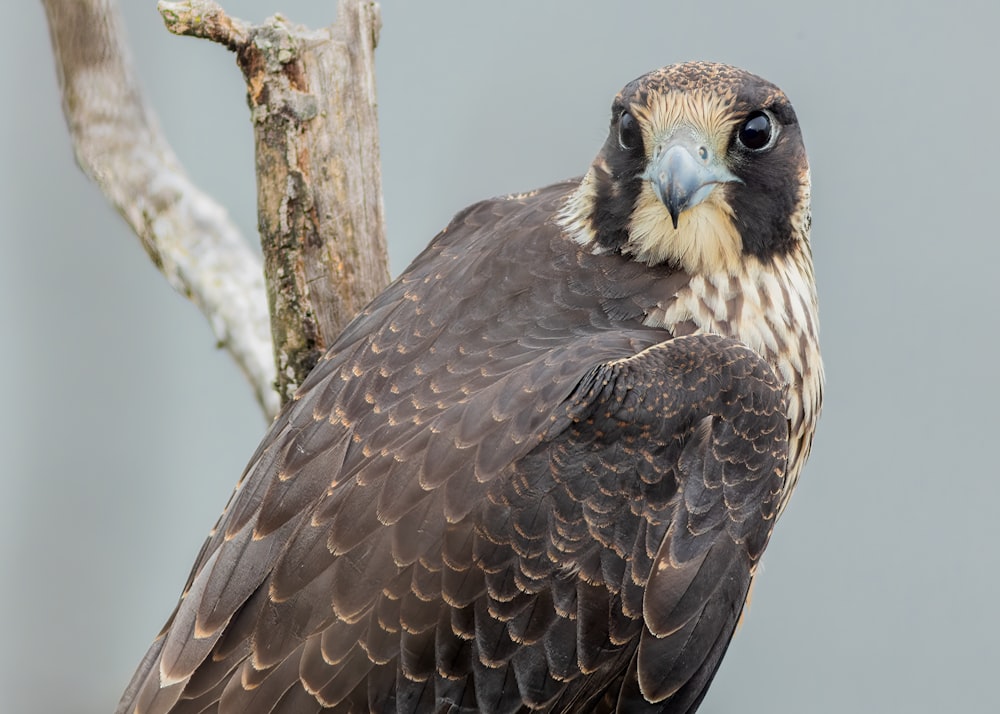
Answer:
(122, 430)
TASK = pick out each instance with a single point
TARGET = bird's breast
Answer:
(772, 307)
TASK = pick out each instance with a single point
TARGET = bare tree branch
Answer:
(205, 20)
(119, 145)
(319, 186)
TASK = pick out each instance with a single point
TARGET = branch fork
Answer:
(313, 109)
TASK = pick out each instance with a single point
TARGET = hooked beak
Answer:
(683, 173)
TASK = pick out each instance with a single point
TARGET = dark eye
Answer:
(629, 136)
(756, 132)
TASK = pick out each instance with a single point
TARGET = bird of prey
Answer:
(538, 472)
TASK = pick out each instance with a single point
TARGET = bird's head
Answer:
(704, 164)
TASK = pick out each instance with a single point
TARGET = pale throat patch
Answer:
(705, 241)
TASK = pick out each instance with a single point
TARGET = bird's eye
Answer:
(629, 136)
(757, 131)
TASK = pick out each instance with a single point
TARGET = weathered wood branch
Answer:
(319, 187)
(313, 107)
(119, 145)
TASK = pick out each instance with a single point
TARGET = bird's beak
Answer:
(683, 172)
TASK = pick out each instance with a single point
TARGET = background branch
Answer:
(319, 186)
(119, 145)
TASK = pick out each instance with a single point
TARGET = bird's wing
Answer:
(722, 433)
(623, 547)
(568, 536)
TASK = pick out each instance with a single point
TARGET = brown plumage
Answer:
(538, 472)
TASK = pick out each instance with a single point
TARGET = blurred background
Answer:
(123, 429)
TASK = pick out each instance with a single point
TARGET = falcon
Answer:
(538, 472)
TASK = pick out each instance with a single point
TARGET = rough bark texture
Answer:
(119, 145)
(319, 189)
